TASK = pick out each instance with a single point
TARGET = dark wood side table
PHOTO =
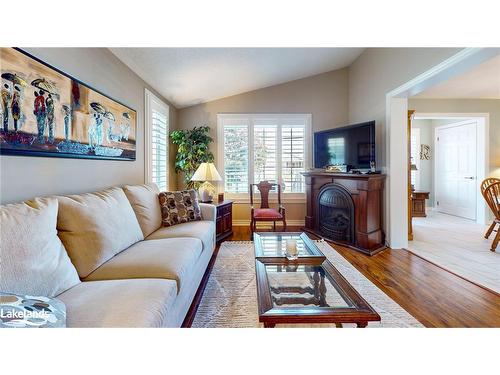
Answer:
(418, 203)
(224, 219)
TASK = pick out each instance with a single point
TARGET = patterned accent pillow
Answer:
(179, 207)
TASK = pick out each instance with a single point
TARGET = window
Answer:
(336, 149)
(236, 158)
(415, 157)
(265, 165)
(156, 141)
(293, 157)
(263, 147)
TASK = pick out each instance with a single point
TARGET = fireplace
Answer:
(346, 208)
(336, 213)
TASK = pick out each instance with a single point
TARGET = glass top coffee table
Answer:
(306, 290)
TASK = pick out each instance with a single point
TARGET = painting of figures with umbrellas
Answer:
(45, 112)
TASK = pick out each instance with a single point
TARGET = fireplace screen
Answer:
(336, 213)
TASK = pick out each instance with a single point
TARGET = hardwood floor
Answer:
(435, 297)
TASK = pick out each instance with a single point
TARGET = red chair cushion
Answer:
(266, 213)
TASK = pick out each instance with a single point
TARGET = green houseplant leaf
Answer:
(192, 150)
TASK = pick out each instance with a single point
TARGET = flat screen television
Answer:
(352, 146)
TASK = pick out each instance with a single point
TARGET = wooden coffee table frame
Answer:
(361, 313)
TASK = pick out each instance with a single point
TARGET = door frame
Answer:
(482, 121)
(396, 194)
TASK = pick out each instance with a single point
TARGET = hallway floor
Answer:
(457, 245)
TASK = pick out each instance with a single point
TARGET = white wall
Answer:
(426, 170)
(26, 177)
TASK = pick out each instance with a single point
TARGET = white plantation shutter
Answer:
(293, 157)
(159, 149)
(157, 132)
(236, 158)
(263, 147)
(265, 153)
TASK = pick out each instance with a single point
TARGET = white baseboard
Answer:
(264, 224)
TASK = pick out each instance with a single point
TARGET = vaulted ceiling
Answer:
(189, 76)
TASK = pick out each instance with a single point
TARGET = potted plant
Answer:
(192, 150)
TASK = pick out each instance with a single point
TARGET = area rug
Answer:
(230, 299)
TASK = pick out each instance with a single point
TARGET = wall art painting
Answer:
(425, 152)
(45, 112)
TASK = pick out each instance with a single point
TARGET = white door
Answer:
(456, 169)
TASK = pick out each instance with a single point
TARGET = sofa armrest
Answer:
(208, 211)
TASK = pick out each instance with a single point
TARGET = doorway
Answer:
(459, 161)
(451, 242)
(449, 230)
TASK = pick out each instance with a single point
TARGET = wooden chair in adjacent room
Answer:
(484, 185)
(265, 213)
(492, 197)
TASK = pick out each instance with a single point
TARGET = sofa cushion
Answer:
(146, 205)
(33, 260)
(96, 226)
(267, 213)
(119, 303)
(179, 207)
(203, 230)
(172, 258)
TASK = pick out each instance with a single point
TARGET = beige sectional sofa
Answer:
(106, 256)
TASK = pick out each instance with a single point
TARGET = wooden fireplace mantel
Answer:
(366, 192)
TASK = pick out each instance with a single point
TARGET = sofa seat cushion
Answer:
(267, 214)
(96, 226)
(146, 204)
(203, 230)
(173, 258)
(119, 303)
(33, 260)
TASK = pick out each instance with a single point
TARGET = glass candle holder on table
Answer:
(292, 252)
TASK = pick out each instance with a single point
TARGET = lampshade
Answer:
(206, 172)
(495, 173)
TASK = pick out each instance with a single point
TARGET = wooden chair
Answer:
(484, 185)
(492, 196)
(265, 213)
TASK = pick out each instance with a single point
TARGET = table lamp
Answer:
(206, 172)
(495, 173)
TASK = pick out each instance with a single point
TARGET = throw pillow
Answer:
(179, 207)
(33, 261)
